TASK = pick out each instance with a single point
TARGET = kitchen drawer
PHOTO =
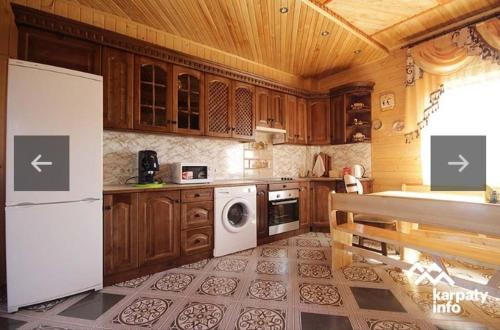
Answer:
(197, 240)
(197, 214)
(197, 195)
(284, 185)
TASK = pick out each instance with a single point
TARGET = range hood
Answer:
(269, 130)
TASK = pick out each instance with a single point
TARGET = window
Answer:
(471, 108)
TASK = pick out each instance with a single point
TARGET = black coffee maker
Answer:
(147, 166)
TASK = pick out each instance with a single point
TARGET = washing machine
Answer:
(235, 219)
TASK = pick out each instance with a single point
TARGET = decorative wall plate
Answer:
(398, 125)
(377, 124)
(387, 101)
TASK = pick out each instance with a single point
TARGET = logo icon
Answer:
(426, 273)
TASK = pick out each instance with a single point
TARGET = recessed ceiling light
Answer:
(325, 33)
(357, 51)
(284, 10)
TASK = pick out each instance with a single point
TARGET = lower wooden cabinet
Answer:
(262, 226)
(120, 233)
(304, 205)
(194, 241)
(159, 227)
(319, 203)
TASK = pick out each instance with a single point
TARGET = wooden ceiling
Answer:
(358, 31)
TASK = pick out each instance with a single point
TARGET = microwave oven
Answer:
(190, 173)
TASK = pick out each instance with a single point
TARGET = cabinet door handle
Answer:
(107, 208)
(174, 122)
(196, 195)
(197, 215)
(284, 186)
(177, 201)
(197, 241)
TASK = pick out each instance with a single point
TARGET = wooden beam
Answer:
(339, 20)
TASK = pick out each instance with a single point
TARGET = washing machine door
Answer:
(236, 215)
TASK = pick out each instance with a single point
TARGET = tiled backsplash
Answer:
(225, 157)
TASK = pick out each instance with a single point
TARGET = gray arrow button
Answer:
(36, 163)
(463, 163)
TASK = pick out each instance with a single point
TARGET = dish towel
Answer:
(319, 167)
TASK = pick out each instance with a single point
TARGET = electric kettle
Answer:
(358, 171)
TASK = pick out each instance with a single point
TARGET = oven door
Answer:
(283, 216)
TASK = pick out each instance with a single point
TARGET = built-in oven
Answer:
(283, 211)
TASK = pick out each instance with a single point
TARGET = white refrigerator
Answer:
(54, 238)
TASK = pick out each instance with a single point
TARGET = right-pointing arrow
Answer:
(464, 163)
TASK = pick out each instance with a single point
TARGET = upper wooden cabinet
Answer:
(159, 227)
(277, 110)
(243, 111)
(188, 101)
(218, 105)
(58, 50)
(118, 76)
(296, 120)
(120, 233)
(319, 121)
(263, 107)
(152, 99)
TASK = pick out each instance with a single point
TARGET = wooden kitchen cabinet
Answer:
(188, 115)
(243, 111)
(262, 225)
(319, 203)
(296, 120)
(277, 110)
(197, 214)
(196, 241)
(319, 131)
(118, 79)
(159, 227)
(263, 107)
(120, 230)
(152, 95)
(304, 206)
(58, 50)
(218, 105)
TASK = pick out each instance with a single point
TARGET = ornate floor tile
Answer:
(308, 254)
(218, 286)
(320, 294)
(274, 252)
(491, 307)
(174, 282)
(271, 267)
(424, 302)
(314, 270)
(134, 283)
(308, 242)
(231, 265)
(261, 318)
(244, 253)
(267, 290)
(143, 312)
(199, 316)
(199, 265)
(283, 242)
(363, 274)
(391, 324)
(46, 306)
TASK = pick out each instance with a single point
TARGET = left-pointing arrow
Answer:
(36, 163)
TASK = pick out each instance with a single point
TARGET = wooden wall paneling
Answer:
(243, 110)
(188, 107)
(118, 73)
(218, 106)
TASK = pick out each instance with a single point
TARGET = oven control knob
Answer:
(278, 196)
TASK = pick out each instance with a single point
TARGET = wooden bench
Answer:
(477, 225)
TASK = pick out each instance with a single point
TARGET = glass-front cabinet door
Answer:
(188, 101)
(153, 108)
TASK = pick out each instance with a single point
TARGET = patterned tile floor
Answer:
(284, 285)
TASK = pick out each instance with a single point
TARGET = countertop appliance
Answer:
(191, 173)
(147, 166)
(53, 183)
(283, 211)
(358, 171)
(235, 225)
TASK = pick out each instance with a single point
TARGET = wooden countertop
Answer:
(122, 188)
